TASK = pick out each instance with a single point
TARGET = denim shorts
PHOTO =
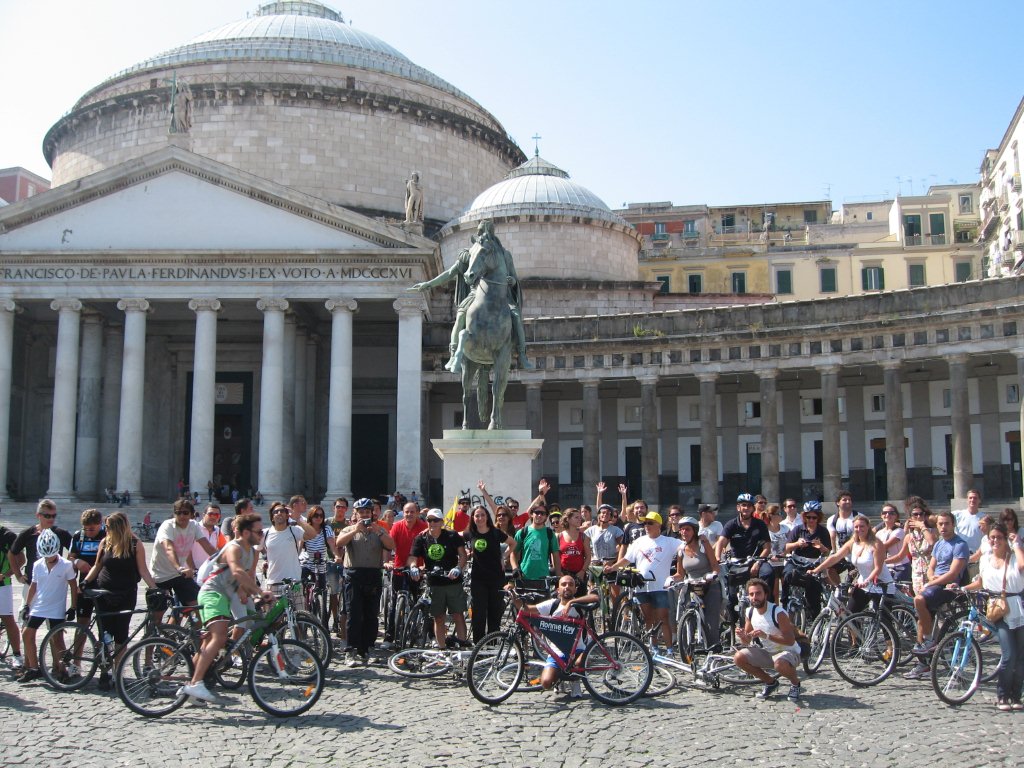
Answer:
(656, 600)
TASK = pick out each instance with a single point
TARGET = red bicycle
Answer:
(615, 667)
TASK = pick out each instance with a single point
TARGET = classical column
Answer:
(272, 398)
(65, 397)
(831, 456)
(288, 406)
(314, 436)
(133, 382)
(7, 311)
(299, 482)
(535, 423)
(113, 349)
(769, 435)
(895, 442)
(89, 389)
(410, 355)
(339, 409)
(204, 393)
(708, 438)
(960, 421)
(649, 433)
(591, 435)
(1020, 398)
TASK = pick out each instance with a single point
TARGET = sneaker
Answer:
(72, 671)
(925, 648)
(353, 660)
(104, 682)
(29, 675)
(362, 660)
(769, 689)
(919, 672)
(17, 662)
(575, 690)
(387, 645)
(1003, 705)
(794, 693)
(1016, 706)
(199, 691)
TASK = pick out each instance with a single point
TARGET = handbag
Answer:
(997, 606)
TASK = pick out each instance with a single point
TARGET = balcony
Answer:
(1018, 239)
(910, 240)
(659, 237)
(1015, 183)
(938, 239)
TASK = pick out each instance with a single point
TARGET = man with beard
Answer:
(771, 643)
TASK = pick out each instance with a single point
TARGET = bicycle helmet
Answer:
(812, 506)
(745, 498)
(690, 521)
(363, 503)
(48, 544)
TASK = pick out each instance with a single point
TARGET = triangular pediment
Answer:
(173, 199)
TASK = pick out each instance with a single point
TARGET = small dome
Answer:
(295, 30)
(539, 188)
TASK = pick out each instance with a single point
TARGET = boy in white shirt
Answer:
(52, 577)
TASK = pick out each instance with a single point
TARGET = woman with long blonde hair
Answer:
(867, 553)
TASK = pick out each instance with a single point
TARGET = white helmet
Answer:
(48, 544)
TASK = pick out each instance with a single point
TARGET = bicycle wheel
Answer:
(308, 630)
(864, 649)
(5, 645)
(495, 667)
(420, 663)
(662, 681)
(956, 668)
(151, 674)
(57, 656)
(617, 669)
(819, 636)
(286, 678)
(417, 630)
(230, 672)
(687, 635)
(904, 621)
(798, 617)
(627, 618)
(402, 607)
(991, 652)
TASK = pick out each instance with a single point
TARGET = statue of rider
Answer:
(464, 293)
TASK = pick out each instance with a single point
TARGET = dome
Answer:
(538, 187)
(299, 31)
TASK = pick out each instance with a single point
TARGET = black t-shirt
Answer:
(86, 548)
(486, 549)
(746, 542)
(820, 533)
(442, 551)
(26, 542)
(632, 531)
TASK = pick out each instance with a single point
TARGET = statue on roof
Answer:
(181, 107)
(413, 200)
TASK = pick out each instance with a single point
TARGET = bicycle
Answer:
(285, 677)
(614, 667)
(145, 531)
(823, 627)
(663, 679)
(397, 604)
(302, 625)
(423, 663)
(314, 589)
(733, 573)
(865, 647)
(602, 618)
(956, 663)
(70, 653)
(627, 615)
(693, 636)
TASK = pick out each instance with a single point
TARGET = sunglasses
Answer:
(176, 514)
(540, 511)
(48, 517)
(917, 514)
(213, 514)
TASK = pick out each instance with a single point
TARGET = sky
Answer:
(683, 101)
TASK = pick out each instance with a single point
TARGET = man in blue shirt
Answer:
(948, 562)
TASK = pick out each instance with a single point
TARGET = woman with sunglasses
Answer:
(891, 534)
(918, 540)
(1008, 519)
(318, 549)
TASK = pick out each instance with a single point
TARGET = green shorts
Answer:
(213, 605)
(447, 598)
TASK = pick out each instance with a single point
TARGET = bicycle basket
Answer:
(629, 579)
(156, 600)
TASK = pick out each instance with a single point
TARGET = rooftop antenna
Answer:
(536, 145)
(828, 190)
(899, 186)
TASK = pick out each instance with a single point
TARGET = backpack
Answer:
(552, 539)
(800, 638)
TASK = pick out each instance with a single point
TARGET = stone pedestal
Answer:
(500, 457)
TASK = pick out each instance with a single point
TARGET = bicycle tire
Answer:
(231, 675)
(54, 664)
(904, 621)
(723, 667)
(864, 649)
(663, 680)
(687, 636)
(956, 668)
(418, 663)
(991, 651)
(150, 676)
(617, 669)
(286, 678)
(495, 667)
(401, 614)
(417, 631)
(323, 607)
(5, 644)
(798, 618)
(627, 619)
(306, 629)
(819, 637)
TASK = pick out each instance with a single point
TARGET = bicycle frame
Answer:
(583, 636)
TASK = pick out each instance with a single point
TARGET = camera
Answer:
(366, 522)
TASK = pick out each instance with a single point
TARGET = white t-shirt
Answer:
(51, 596)
(968, 528)
(282, 549)
(653, 557)
(992, 579)
(182, 539)
(885, 534)
(711, 532)
(840, 529)
(763, 621)
(199, 555)
(553, 608)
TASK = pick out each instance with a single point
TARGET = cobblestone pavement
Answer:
(371, 717)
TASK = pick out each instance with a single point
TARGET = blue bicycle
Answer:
(957, 660)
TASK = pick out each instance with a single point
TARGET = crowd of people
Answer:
(222, 564)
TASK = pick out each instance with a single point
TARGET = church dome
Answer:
(295, 95)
